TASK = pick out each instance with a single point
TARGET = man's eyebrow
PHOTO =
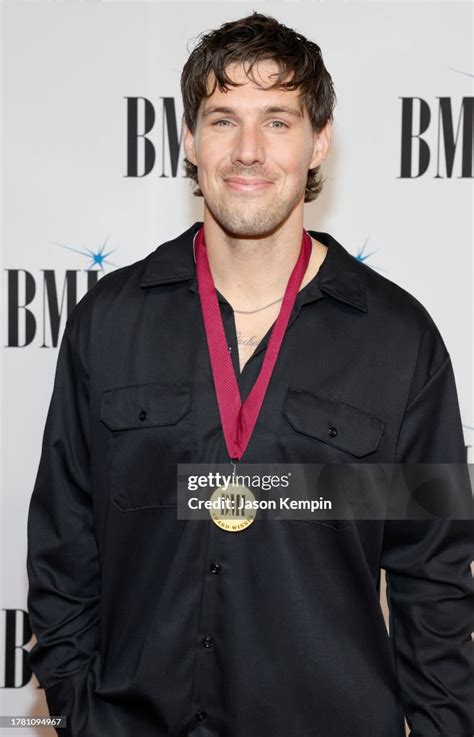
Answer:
(269, 109)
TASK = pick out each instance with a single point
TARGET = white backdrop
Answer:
(68, 69)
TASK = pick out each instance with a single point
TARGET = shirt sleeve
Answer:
(62, 555)
(430, 588)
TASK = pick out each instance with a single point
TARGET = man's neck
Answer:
(250, 272)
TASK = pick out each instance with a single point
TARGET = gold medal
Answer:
(233, 508)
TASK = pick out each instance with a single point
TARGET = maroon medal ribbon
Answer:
(238, 420)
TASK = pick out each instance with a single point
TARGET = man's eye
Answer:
(228, 121)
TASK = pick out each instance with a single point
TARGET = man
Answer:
(149, 624)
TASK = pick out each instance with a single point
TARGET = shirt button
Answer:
(332, 432)
(200, 715)
(207, 642)
(142, 415)
(215, 567)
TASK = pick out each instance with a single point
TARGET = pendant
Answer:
(233, 508)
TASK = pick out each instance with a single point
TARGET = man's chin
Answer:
(254, 229)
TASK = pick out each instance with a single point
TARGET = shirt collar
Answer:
(341, 275)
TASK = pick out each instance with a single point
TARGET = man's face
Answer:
(250, 142)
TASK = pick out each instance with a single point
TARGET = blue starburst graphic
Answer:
(98, 258)
(362, 257)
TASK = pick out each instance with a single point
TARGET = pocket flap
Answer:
(333, 422)
(145, 405)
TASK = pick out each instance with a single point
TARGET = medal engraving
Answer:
(233, 508)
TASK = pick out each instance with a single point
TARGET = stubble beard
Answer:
(242, 217)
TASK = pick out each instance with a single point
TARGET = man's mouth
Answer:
(241, 184)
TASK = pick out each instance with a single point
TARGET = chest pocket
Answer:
(333, 432)
(340, 426)
(150, 433)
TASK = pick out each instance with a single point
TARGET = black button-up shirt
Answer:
(148, 625)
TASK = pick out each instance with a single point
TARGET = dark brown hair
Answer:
(249, 40)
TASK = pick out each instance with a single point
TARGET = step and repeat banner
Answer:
(93, 179)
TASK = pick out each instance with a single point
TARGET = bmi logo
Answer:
(38, 304)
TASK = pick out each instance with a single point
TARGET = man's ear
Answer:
(188, 144)
(322, 142)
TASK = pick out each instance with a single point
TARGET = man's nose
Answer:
(249, 145)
